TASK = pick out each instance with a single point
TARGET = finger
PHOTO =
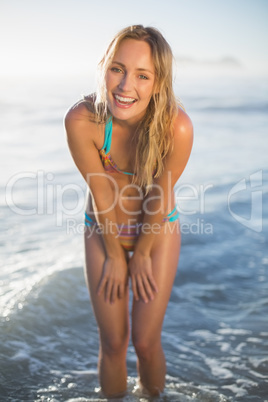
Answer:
(127, 281)
(148, 288)
(121, 290)
(114, 293)
(101, 285)
(153, 283)
(141, 290)
(108, 292)
(134, 288)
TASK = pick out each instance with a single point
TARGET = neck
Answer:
(128, 127)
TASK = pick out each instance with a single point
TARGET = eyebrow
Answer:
(138, 69)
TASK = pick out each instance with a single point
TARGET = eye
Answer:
(143, 77)
(116, 70)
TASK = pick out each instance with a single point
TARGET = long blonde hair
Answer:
(155, 129)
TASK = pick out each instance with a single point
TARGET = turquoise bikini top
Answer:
(107, 161)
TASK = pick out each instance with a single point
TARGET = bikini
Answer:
(127, 234)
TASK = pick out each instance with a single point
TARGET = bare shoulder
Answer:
(83, 110)
(183, 134)
(178, 156)
(183, 127)
(80, 121)
(83, 138)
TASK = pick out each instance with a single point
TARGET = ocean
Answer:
(215, 333)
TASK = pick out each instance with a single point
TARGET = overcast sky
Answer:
(64, 36)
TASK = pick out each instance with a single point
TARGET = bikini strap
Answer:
(108, 135)
(173, 215)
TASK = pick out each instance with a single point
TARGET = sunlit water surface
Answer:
(215, 332)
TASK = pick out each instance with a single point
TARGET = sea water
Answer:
(215, 333)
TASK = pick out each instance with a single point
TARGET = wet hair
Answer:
(155, 130)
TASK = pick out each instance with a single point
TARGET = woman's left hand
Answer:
(143, 283)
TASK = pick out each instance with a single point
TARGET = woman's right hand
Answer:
(114, 279)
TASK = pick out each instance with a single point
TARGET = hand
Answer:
(114, 279)
(143, 283)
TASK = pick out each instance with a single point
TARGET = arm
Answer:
(158, 203)
(81, 135)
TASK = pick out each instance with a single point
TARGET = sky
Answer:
(69, 36)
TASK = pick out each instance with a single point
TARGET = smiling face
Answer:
(130, 81)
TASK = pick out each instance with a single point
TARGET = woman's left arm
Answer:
(156, 206)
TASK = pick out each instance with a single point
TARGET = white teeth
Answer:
(125, 100)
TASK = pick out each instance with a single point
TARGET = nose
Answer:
(125, 83)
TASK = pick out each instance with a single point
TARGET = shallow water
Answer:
(215, 332)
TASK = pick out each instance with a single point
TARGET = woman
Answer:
(131, 142)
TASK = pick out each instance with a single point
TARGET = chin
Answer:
(126, 114)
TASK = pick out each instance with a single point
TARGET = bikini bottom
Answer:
(128, 234)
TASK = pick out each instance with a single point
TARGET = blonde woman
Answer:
(131, 142)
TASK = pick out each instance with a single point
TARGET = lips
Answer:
(124, 101)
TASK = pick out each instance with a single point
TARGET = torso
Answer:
(128, 197)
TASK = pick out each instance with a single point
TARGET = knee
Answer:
(114, 345)
(145, 347)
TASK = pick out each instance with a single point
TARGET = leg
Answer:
(147, 319)
(113, 321)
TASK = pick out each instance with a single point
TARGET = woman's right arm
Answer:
(81, 134)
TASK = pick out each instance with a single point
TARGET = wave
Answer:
(240, 109)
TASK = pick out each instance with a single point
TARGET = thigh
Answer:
(112, 319)
(148, 318)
